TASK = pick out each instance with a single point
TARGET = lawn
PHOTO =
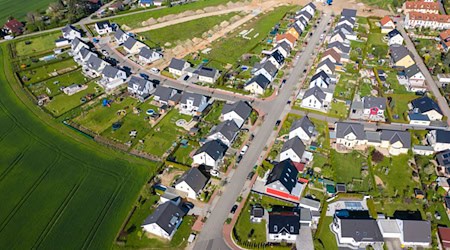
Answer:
(365, 89)
(345, 88)
(399, 106)
(376, 39)
(20, 9)
(100, 118)
(38, 44)
(51, 87)
(215, 112)
(181, 32)
(324, 238)
(347, 169)
(245, 231)
(338, 109)
(57, 187)
(39, 74)
(181, 155)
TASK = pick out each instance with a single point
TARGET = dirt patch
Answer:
(378, 181)
(168, 177)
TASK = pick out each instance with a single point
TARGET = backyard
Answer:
(37, 44)
(47, 71)
(52, 86)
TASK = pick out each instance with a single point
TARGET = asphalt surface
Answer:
(211, 234)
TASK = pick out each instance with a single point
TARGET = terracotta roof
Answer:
(288, 37)
(413, 15)
(333, 54)
(385, 20)
(299, 166)
(14, 25)
(422, 5)
(444, 35)
(444, 235)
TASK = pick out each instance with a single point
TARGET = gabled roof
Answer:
(14, 26)
(442, 136)
(257, 211)
(348, 19)
(361, 230)
(372, 102)
(215, 149)
(306, 14)
(242, 108)
(421, 5)
(385, 20)
(285, 46)
(285, 222)
(444, 236)
(328, 63)
(95, 63)
(394, 136)
(344, 27)
(284, 172)
(315, 91)
(345, 128)
(340, 46)
(348, 12)
(333, 54)
(425, 104)
(146, 52)
(206, 72)
(398, 52)
(297, 28)
(164, 93)
(278, 57)
(194, 178)
(229, 129)
(304, 123)
(119, 34)
(130, 42)
(394, 33)
(260, 79)
(412, 71)
(338, 33)
(102, 24)
(445, 35)
(296, 145)
(443, 158)
(269, 67)
(140, 82)
(84, 52)
(416, 231)
(196, 98)
(310, 5)
(322, 75)
(110, 71)
(177, 64)
(286, 36)
(68, 28)
(166, 216)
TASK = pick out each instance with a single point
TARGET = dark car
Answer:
(304, 71)
(233, 209)
(145, 76)
(185, 78)
(278, 123)
(188, 204)
(288, 102)
(283, 82)
(250, 175)
(239, 158)
(252, 136)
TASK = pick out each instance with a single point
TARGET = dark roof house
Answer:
(194, 178)
(285, 173)
(166, 216)
(215, 149)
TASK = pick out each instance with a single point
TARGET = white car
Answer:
(155, 70)
(244, 149)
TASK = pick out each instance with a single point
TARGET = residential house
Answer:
(103, 27)
(208, 75)
(147, 55)
(61, 42)
(170, 196)
(326, 66)
(257, 85)
(191, 183)
(397, 142)
(394, 37)
(238, 112)
(178, 66)
(313, 205)
(83, 56)
(345, 28)
(112, 77)
(276, 58)
(321, 80)
(302, 128)
(146, 3)
(439, 140)
(304, 15)
(77, 44)
(350, 13)
(332, 55)
(120, 36)
(13, 27)
(283, 226)
(350, 134)
(116, 6)
(310, 8)
(358, 233)
(426, 20)
(164, 221)
(133, 46)
(210, 154)
(443, 159)
(192, 103)
(290, 39)
(426, 106)
(69, 32)
(293, 31)
(374, 108)
(282, 182)
(416, 80)
(444, 238)
(267, 69)
(140, 88)
(73, 89)
(347, 21)
(341, 48)
(444, 38)
(416, 118)
(283, 48)
(164, 94)
(416, 233)
(256, 213)
(387, 25)
(294, 150)
(317, 98)
(94, 66)
(337, 36)
(226, 132)
(421, 6)
(400, 56)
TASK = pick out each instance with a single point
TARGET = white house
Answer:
(192, 103)
(191, 183)
(77, 44)
(226, 132)
(317, 98)
(350, 134)
(439, 140)
(303, 129)
(69, 32)
(83, 56)
(120, 36)
(394, 37)
(257, 85)
(140, 87)
(310, 8)
(416, 118)
(238, 112)
(337, 36)
(426, 106)
(386, 24)
(416, 80)
(94, 66)
(208, 75)
(210, 154)
(410, 233)
(62, 42)
(147, 55)
(310, 204)
(283, 227)
(178, 66)
(397, 142)
(112, 77)
(374, 108)
(294, 150)
(356, 233)
(267, 69)
(133, 46)
(427, 20)
(164, 221)
(326, 66)
(321, 80)
(103, 27)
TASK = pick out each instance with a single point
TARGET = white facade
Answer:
(264, 72)
(319, 82)
(184, 187)
(325, 69)
(137, 46)
(233, 116)
(433, 115)
(208, 79)
(103, 30)
(204, 159)
(72, 34)
(157, 230)
(398, 39)
(300, 133)
(189, 108)
(254, 88)
(350, 141)
(179, 72)
(154, 57)
(432, 23)
(291, 238)
(290, 154)
(62, 42)
(437, 146)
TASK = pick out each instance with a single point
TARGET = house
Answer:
(226, 132)
(422, 150)
(69, 32)
(192, 103)
(426, 20)
(321, 80)
(94, 66)
(397, 142)
(283, 226)
(288, 38)
(386, 24)
(73, 89)
(400, 56)
(332, 55)
(444, 238)
(341, 48)
(191, 183)
(418, 119)
(303, 129)
(146, 3)
(337, 36)
(282, 182)
(444, 39)
(178, 66)
(283, 48)
(394, 37)
(256, 213)
(304, 15)
(62, 42)
(293, 149)
(120, 36)
(347, 21)
(13, 27)
(293, 32)
(416, 80)
(208, 75)
(112, 77)
(210, 154)
(140, 88)
(77, 44)
(421, 6)
(345, 28)
(83, 56)
(164, 94)
(170, 196)
(443, 159)
(103, 27)
(317, 98)
(416, 233)
(313, 205)
(351, 13)
(310, 8)
(276, 58)
(238, 112)
(164, 221)
(374, 108)
(350, 134)
(426, 106)
(268, 69)
(439, 140)
(358, 233)
(133, 46)
(116, 6)
(326, 66)
(147, 55)
(257, 85)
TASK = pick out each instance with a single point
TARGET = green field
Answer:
(20, 9)
(58, 188)
(38, 44)
(41, 73)
(54, 84)
(183, 31)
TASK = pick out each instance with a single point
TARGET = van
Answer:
(244, 149)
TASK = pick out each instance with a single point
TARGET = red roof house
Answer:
(13, 26)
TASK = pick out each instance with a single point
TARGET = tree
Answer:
(395, 3)
(377, 156)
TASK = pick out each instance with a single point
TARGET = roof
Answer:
(295, 144)
(110, 71)
(385, 20)
(412, 71)
(241, 108)
(348, 13)
(84, 52)
(344, 27)
(322, 75)
(284, 222)
(425, 104)
(206, 72)
(119, 33)
(102, 24)
(306, 14)
(286, 36)
(418, 117)
(130, 42)
(305, 215)
(338, 32)
(260, 79)
(68, 28)
(393, 33)
(389, 226)
(349, 19)
(177, 64)
(215, 149)
(166, 215)
(444, 236)
(333, 54)
(257, 211)
(372, 102)
(444, 35)
(164, 93)
(278, 57)
(269, 67)
(95, 63)
(229, 129)
(328, 63)
(442, 136)
(340, 46)
(140, 82)
(297, 28)
(77, 41)
(416, 231)
(310, 5)
(361, 230)
(196, 98)
(443, 158)
(345, 128)
(398, 52)
(14, 26)
(307, 202)
(285, 46)
(422, 5)
(194, 178)
(394, 136)
(304, 123)
(417, 16)
(284, 172)
(373, 136)
(315, 91)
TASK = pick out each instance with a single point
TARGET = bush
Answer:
(377, 156)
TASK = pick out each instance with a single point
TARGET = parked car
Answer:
(233, 209)
(252, 136)
(185, 78)
(239, 159)
(278, 123)
(145, 76)
(250, 175)
(155, 70)
(189, 205)
(244, 150)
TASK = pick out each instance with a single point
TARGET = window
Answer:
(275, 228)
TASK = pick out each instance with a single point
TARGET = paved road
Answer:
(432, 86)
(211, 234)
